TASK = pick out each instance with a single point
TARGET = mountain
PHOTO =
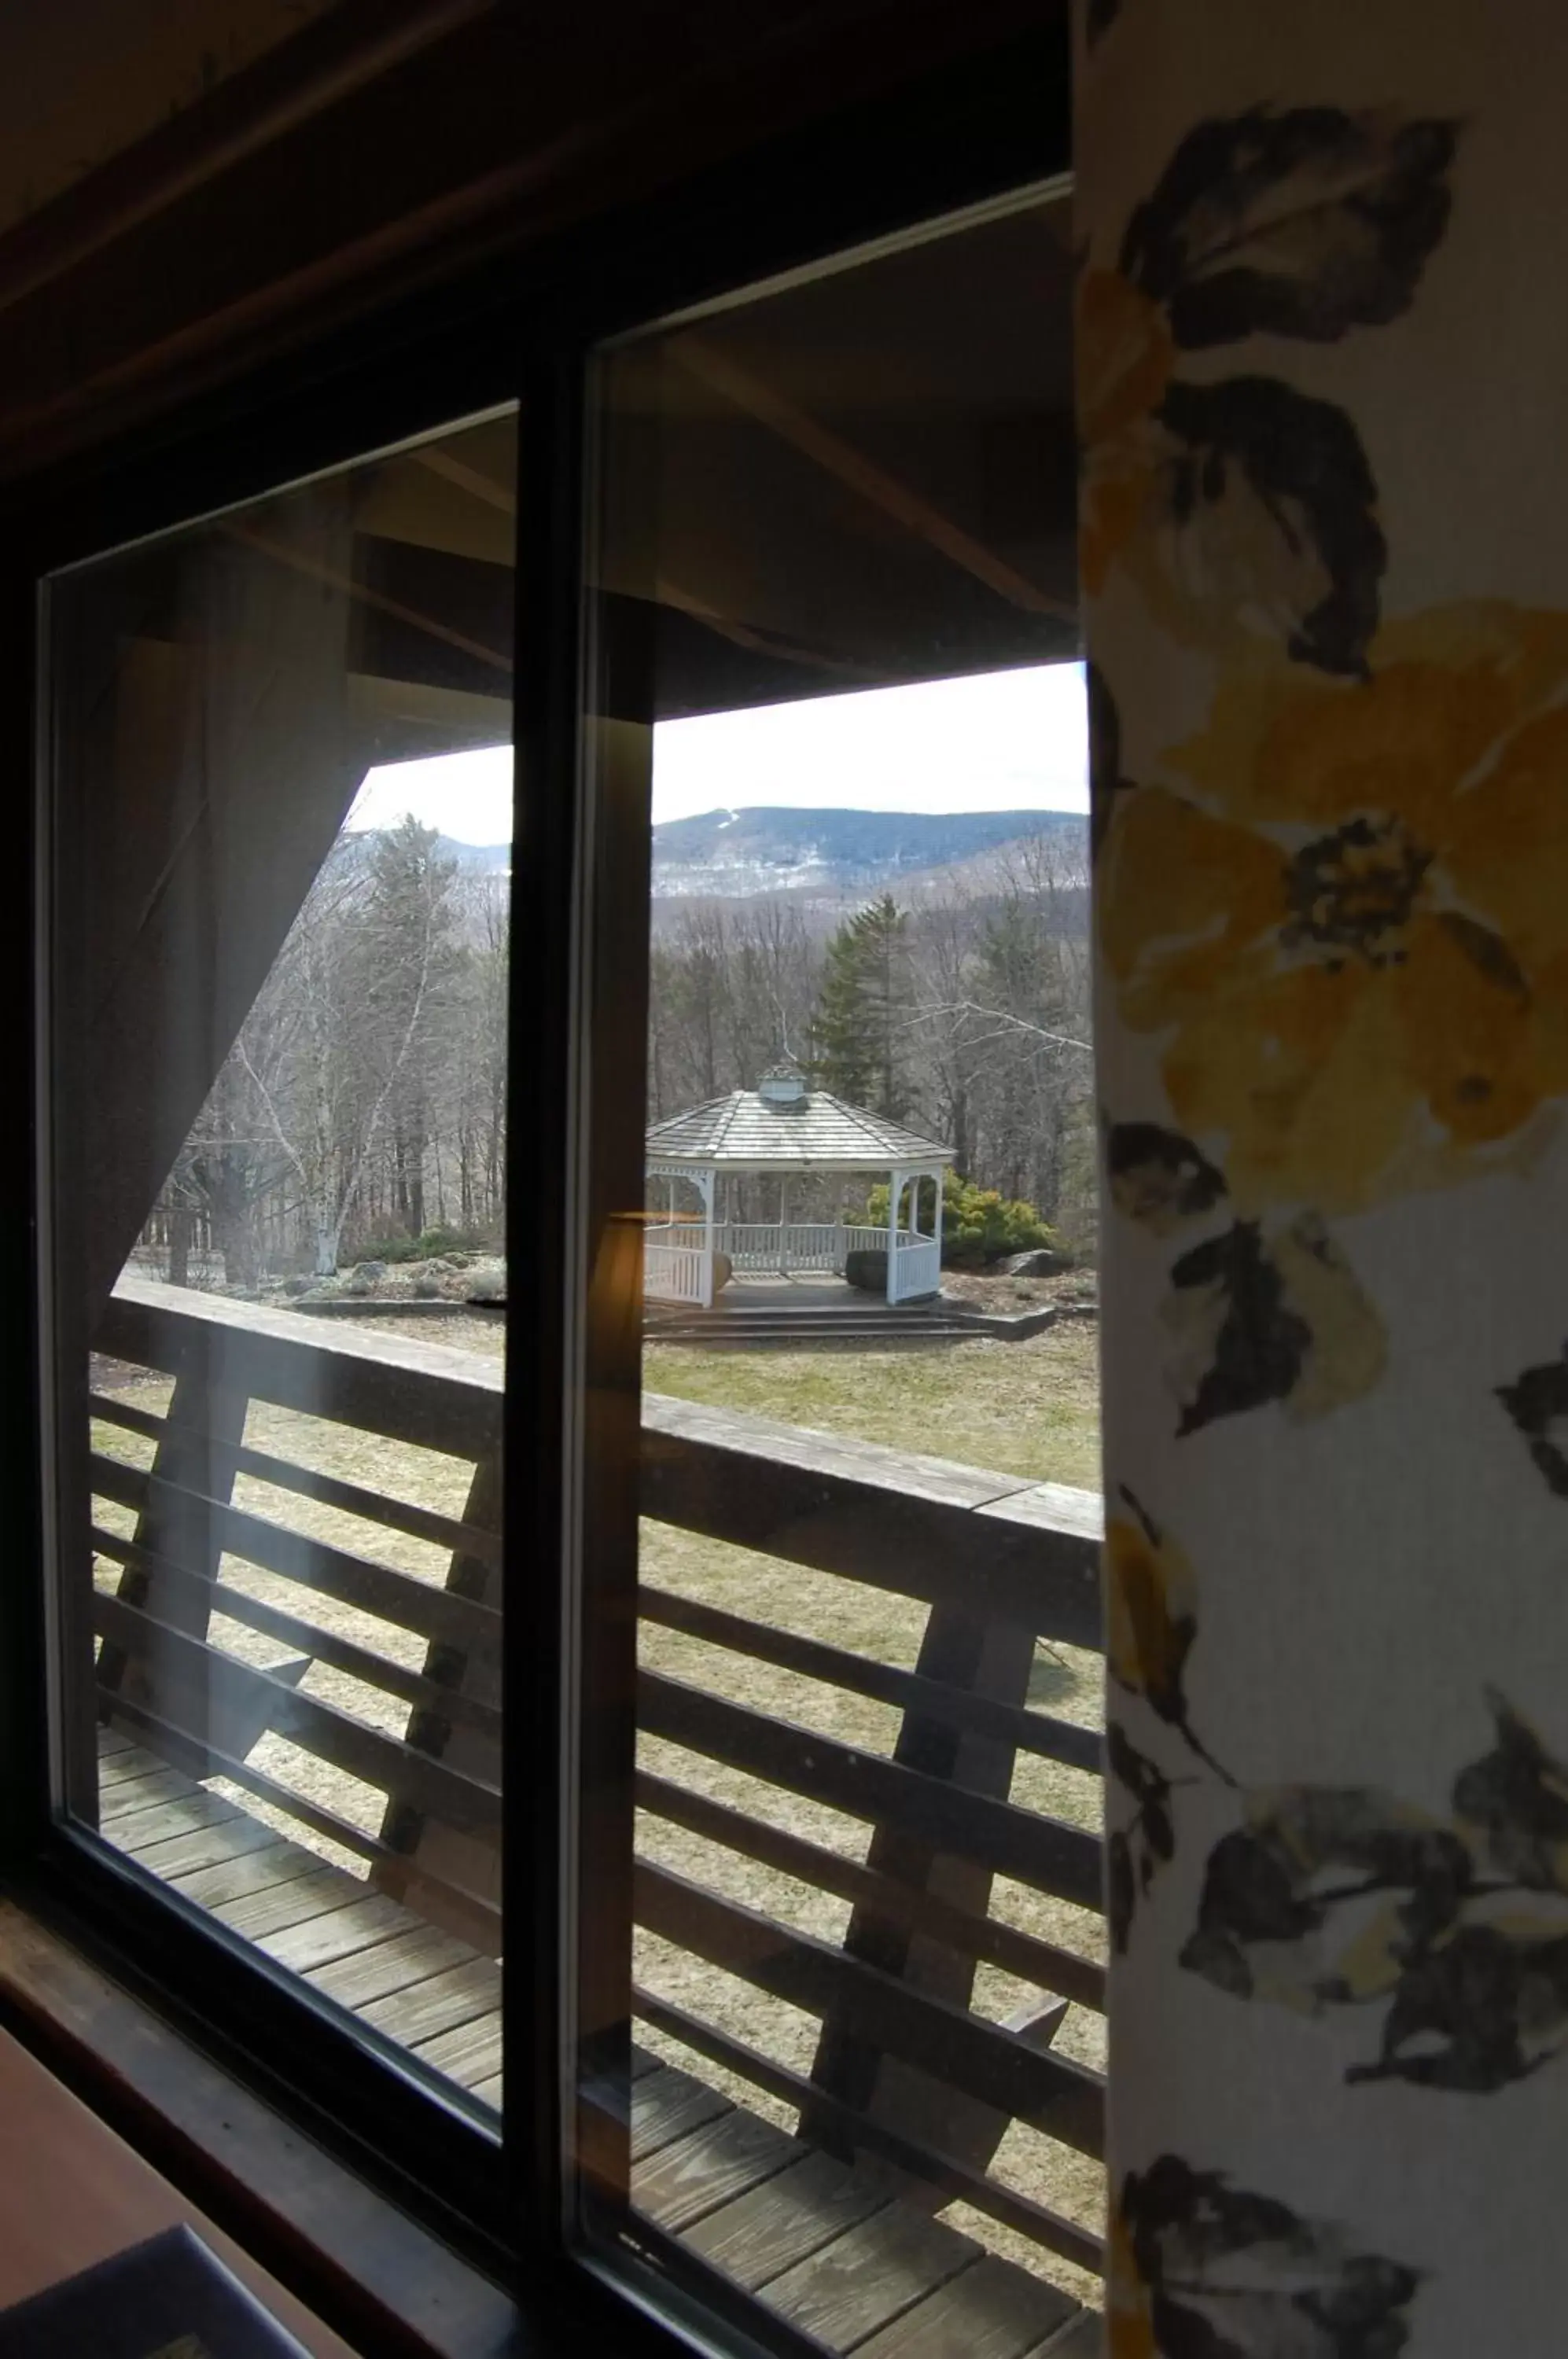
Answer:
(734, 854)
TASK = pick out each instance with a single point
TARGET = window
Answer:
(862, 1924)
(594, 1460)
(278, 1053)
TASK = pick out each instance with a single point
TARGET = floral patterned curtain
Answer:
(1324, 391)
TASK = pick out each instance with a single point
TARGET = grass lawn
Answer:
(1023, 1408)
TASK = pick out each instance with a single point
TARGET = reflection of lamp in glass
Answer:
(615, 1304)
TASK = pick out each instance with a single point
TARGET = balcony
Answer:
(867, 1982)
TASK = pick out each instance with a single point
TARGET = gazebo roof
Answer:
(814, 1130)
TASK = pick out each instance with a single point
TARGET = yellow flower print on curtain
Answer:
(1352, 930)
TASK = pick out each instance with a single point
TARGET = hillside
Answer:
(733, 855)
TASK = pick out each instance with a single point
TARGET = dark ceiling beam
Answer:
(364, 594)
(323, 64)
(484, 487)
(437, 143)
(917, 514)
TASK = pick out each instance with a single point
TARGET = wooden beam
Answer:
(481, 486)
(364, 595)
(321, 67)
(473, 480)
(841, 459)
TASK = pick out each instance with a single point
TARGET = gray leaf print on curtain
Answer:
(1248, 509)
(1210, 2271)
(1263, 471)
(1282, 1320)
(1331, 1897)
(1104, 755)
(1305, 223)
(1158, 1178)
(1252, 1317)
(1136, 1853)
(1538, 1403)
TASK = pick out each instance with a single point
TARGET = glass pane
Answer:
(856, 1930)
(277, 1127)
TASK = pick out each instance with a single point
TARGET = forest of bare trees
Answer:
(363, 1105)
(965, 1015)
(366, 1097)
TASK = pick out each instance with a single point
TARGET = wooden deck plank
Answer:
(362, 1979)
(159, 1785)
(205, 1847)
(192, 1811)
(436, 2002)
(253, 1871)
(682, 2182)
(667, 2105)
(761, 2234)
(1084, 2338)
(113, 1742)
(470, 2054)
(489, 2092)
(340, 1934)
(871, 2276)
(129, 1761)
(994, 2310)
(256, 1914)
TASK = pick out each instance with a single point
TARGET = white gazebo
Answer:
(785, 1130)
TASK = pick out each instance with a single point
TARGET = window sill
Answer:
(361, 2265)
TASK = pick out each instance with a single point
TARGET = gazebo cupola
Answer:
(783, 1084)
(785, 1128)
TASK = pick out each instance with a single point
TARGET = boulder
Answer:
(370, 1269)
(1040, 1261)
(488, 1283)
(297, 1286)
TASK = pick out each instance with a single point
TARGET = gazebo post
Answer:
(706, 1184)
(936, 1180)
(895, 1190)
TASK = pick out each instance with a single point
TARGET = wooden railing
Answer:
(233, 1475)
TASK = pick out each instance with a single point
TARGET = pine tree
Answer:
(861, 1031)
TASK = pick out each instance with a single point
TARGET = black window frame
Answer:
(523, 329)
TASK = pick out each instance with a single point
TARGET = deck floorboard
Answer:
(826, 2243)
(384, 1984)
(872, 2275)
(727, 2157)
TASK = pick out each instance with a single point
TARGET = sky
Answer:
(995, 741)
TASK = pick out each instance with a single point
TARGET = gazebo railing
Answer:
(792, 1244)
(917, 1268)
(674, 1273)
